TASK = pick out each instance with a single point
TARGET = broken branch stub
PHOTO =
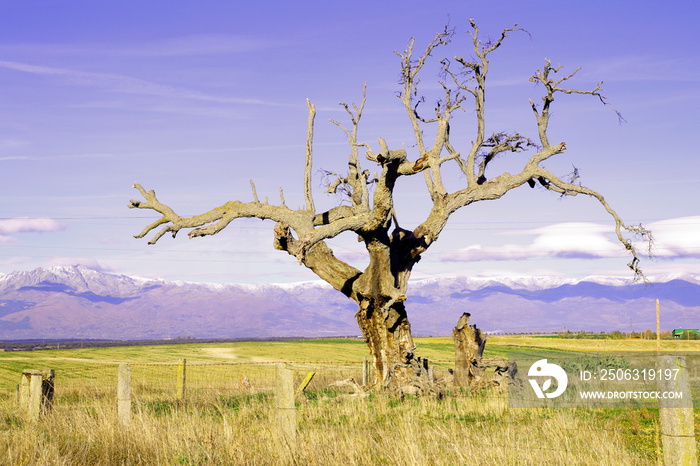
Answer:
(469, 347)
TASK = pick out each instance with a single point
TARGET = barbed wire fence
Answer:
(150, 387)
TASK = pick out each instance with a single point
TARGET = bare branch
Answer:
(569, 189)
(552, 87)
(282, 203)
(336, 213)
(357, 180)
(469, 68)
(215, 220)
(309, 151)
(410, 69)
(311, 251)
(490, 45)
(472, 78)
(255, 192)
(499, 143)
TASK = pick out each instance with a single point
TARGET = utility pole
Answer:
(658, 328)
(630, 327)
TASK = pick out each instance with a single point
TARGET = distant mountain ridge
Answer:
(78, 302)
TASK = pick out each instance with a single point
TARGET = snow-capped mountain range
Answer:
(78, 302)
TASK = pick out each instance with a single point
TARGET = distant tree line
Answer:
(45, 344)
(618, 335)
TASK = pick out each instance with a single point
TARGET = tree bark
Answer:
(388, 336)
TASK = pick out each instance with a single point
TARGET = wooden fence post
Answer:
(34, 395)
(676, 414)
(36, 392)
(286, 411)
(181, 379)
(23, 395)
(124, 394)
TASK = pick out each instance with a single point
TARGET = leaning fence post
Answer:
(365, 372)
(676, 416)
(181, 379)
(124, 394)
(305, 383)
(286, 411)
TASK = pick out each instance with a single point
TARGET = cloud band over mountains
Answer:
(677, 238)
(11, 226)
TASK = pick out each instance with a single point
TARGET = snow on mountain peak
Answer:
(77, 277)
(83, 278)
(33, 301)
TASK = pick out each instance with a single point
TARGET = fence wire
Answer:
(154, 385)
(89, 383)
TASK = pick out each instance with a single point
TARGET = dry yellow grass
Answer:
(219, 423)
(331, 430)
(594, 345)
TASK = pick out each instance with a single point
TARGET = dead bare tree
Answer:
(380, 290)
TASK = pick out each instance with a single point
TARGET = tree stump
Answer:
(469, 347)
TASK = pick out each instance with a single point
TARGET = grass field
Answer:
(221, 423)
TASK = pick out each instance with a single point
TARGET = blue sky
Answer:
(193, 99)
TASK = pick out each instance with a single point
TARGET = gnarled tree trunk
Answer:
(388, 336)
(380, 292)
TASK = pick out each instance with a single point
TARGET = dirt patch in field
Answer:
(230, 353)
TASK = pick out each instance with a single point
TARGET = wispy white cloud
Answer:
(12, 143)
(41, 158)
(566, 240)
(641, 68)
(12, 226)
(113, 82)
(15, 260)
(15, 157)
(161, 153)
(677, 238)
(194, 44)
(201, 44)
